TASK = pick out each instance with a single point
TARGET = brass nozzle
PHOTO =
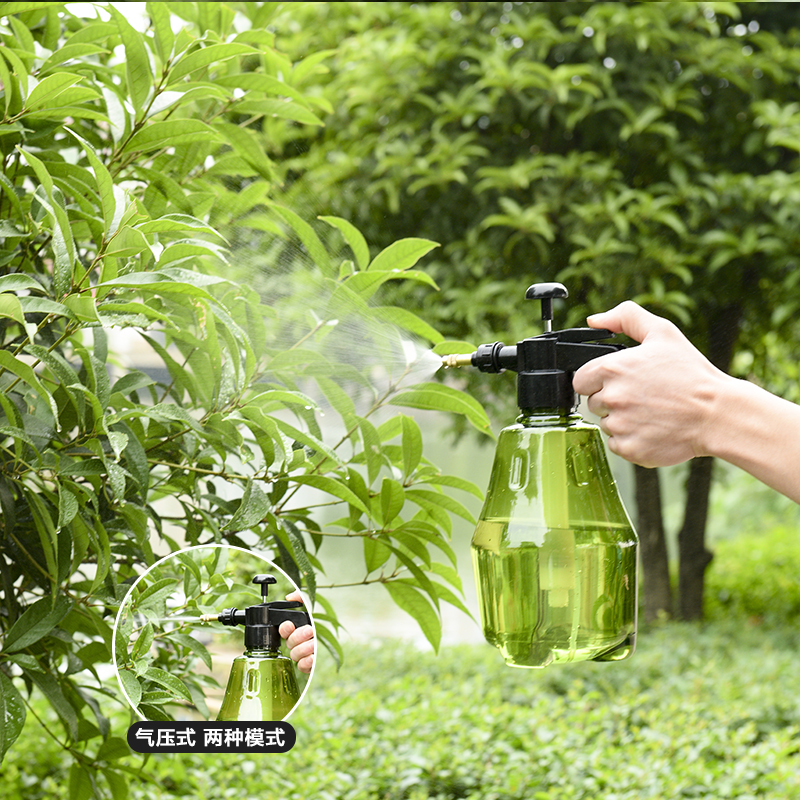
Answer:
(209, 618)
(457, 360)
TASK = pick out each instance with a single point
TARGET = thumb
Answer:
(628, 318)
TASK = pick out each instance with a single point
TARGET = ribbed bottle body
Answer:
(554, 552)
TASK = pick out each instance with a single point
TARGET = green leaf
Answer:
(437, 397)
(250, 146)
(308, 440)
(301, 559)
(82, 307)
(177, 223)
(70, 52)
(10, 308)
(160, 17)
(17, 282)
(279, 108)
(67, 506)
(12, 714)
(372, 448)
(392, 500)
(253, 507)
(63, 243)
(113, 748)
(155, 593)
(333, 487)
(408, 321)
(413, 602)
(205, 57)
(401, 255)
(427, 532)
(191, 644)
(425, 499)
(171, 683)
(117, 782)
(80, 784)
(309, 65)
(51, 688)
(8, 190)
(168, 133)
(21, 8)
(449, 596)
(131, 686)
(456, 483)
(376, 552)
(137, 62)
(143, 643)
(306, 234)
(36, 622)
(105, 184)
(49, 88)
(412, 445)
(41, 305)
(353, 238)
(257, 82)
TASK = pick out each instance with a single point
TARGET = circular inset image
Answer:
(214, 632)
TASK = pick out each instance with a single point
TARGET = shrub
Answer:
(755, 576)
(130, 161)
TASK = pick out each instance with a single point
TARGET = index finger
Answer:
(590, 377)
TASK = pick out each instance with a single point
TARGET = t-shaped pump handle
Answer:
(547, 292)
(265, 581)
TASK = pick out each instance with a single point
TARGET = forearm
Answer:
(758, 432)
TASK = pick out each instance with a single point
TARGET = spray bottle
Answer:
(262, 684)
(554, 552)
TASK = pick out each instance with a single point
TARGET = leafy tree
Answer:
(630, 150)
(131, 159)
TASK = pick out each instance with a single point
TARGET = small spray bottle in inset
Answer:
(554, 552)
(262, 684)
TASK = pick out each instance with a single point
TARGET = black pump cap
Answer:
(545, 363)
(261, 621)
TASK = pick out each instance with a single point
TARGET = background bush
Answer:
(756, 576)
(700, 711)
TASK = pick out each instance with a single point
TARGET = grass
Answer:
(700, 711)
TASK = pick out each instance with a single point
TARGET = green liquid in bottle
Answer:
(554, 552)
(570, 599)
(262, 687)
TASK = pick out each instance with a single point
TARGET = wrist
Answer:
(721, 399)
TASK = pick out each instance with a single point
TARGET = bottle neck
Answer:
(257, 652)
(547, 417)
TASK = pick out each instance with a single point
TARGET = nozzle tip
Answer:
(209, 618)
(457, 360)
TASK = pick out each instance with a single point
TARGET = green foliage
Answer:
(131, 163)
(644, 151)
(697, 712)
(754, 576)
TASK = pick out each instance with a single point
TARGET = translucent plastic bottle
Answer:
(554, 551)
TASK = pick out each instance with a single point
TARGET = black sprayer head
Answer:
(261, 621)
(545, 363)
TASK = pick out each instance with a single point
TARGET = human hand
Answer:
(656, 402)
(300, 641)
